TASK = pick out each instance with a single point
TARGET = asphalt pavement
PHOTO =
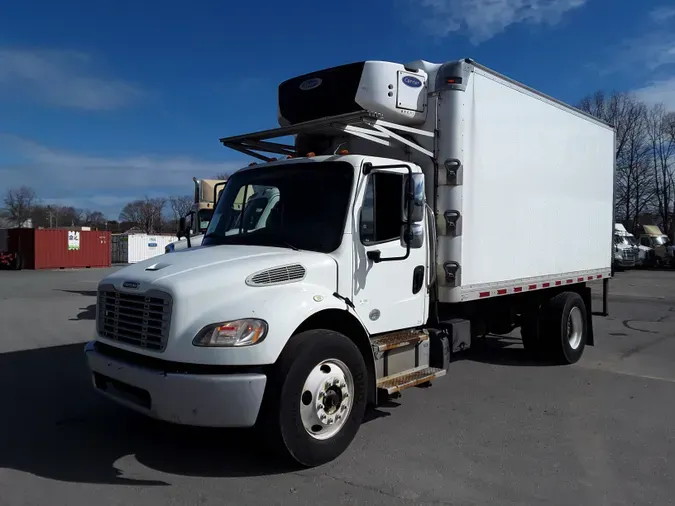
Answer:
(497, 430)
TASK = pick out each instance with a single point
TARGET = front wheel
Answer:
(317, 397)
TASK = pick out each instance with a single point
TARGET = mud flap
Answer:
(586, 296)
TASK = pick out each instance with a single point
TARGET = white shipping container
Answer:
(130, 249)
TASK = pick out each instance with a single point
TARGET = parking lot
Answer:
(497, 430)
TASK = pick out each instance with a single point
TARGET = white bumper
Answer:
(207, 400)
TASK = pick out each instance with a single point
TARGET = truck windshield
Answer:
(300, 206)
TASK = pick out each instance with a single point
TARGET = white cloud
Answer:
(105, 183)
(663, 13)
(659, 92)
(481, 20)
(61, 78)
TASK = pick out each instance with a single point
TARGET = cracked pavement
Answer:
(498, 429)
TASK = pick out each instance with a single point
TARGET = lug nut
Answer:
(336, 381)
(320, 406)
(327, 384)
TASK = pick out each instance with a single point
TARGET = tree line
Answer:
(23, 208)
(644, 186)
(645, 158)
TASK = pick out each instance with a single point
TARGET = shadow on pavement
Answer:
(85, 293)
(501, 350)
(55, 426)
(88, 312)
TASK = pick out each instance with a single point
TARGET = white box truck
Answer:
(379, 260)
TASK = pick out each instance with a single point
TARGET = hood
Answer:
(202, 263)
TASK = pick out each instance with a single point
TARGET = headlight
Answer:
(169, 248)
(234, 333)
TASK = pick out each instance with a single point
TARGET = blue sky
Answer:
(103, 102)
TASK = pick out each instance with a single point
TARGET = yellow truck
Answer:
(194, 224)
(653, 237)
(207, 192)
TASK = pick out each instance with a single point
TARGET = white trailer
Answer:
(378, 261)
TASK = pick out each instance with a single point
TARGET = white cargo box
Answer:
(130, 249)
(534, 192)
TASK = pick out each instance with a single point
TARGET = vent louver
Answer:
(277, 275)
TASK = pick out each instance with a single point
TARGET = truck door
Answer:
(388, 295)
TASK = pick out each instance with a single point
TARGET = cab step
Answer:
(402, 339)
(407, 379)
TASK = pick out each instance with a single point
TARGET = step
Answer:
(408, 379)
(387, 342)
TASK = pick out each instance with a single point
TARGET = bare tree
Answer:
(20, 203)
(662, 150)
(145, 213)
(180, 205)
(634, 184)
(95, 219)
(223, 176)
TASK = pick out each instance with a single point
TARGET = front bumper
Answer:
(206, 400)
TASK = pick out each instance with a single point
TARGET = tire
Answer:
(293, 400)
(566, 327)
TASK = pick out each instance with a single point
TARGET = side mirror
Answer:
(413, 235)
(181, 227)
(413, 198)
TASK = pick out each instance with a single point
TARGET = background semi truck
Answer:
(654, 238)
(377, 263)
(194, 224)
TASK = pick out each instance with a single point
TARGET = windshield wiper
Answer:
(289, 245)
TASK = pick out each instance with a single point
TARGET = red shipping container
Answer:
(61, 248)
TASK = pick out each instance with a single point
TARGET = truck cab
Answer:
(653, 237)
(195, 223)
(626, 252)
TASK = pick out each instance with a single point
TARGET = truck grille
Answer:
(141, 320)
(628, 254)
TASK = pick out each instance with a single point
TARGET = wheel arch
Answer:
(342, 321)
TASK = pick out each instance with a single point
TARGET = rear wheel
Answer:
(566, 327)
(317, 397)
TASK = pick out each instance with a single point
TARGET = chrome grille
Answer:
(137, 319)
(628, 254)
(277, 275)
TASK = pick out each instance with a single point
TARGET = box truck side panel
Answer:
(537, 190)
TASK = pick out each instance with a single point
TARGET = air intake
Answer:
(277, 276)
